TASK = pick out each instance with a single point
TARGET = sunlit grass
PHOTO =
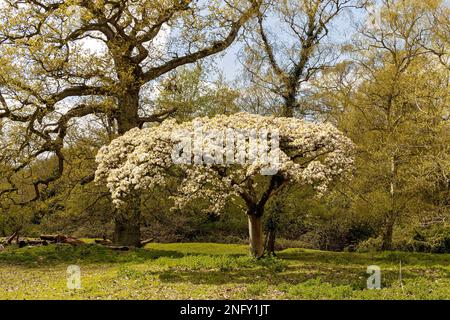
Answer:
(201, 248)
(217, 271)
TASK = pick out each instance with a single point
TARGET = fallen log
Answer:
(143, 243)
(73, 241)
(25, 241)
(43, 240)
(11, 238)
(60, 238)
(37, 242)
(118, 248)
(104, 242)
(32, 242)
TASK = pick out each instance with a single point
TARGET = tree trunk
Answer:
(128, 219)
(271, 237)
(255, 229)
(127, 117)
(127, 233)
(390, 219)
(127, 229)
(271, 227)
(288, 106)
(387, 235)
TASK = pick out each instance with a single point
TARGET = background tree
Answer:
(286, 48)
(289, 45)
(65, 61)
(392, 104)
(193, 93)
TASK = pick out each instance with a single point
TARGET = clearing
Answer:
(217, 271)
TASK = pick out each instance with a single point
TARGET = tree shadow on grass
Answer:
(55, 254)
(354, 277)
(85, 254)
(346, 258)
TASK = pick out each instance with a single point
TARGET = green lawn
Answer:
(217, 271)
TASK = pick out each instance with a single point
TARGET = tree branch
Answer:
(215, 47)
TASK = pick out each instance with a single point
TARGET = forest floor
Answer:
(217, 271)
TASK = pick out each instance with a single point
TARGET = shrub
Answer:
(282, 244)
(441, 242)
(273, 264)
(369, 245)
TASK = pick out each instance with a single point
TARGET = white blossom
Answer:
(309, 153)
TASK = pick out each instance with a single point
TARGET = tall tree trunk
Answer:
(289, 105)
(288, 112)
(271, 227)
(271, 237)
(255, 229)
(390, 219)
(128, 219)
(128, 117)
(386, 244)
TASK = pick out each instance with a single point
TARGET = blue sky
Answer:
(342, 31)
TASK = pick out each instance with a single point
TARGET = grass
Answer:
(217, 271)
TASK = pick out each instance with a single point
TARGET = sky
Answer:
(342, 31)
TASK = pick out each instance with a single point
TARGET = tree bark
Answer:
(288, 106)
(390, 219)
(271, 237)
(127, 233)
(127, 229)
(386, 244)
(255, 229)
(128, 117)
(272, 225)
(15, 235)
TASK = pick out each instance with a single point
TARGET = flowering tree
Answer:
(304, 153)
